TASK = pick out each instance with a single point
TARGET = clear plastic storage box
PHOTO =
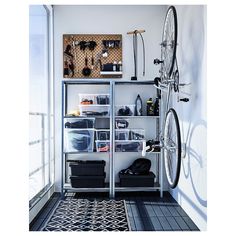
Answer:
(103, 99)
(78, 140)
(137, 134)
(93, 99)
(102, 146)
(80, 123)
(128, 146)
(121, 123)
(122, 134)
(102, 134)
(124, 110)
(94, 110)
(87, 99)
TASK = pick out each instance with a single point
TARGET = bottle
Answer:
(156, 107)
(138, 106)
(114, 66)
(119, 66)
(150, 107)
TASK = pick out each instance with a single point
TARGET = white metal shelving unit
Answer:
(112, 187)
(158, 185)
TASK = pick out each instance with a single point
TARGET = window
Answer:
(41, 140)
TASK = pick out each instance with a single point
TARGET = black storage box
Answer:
(137, 180)
(97, 181)
(87, 168)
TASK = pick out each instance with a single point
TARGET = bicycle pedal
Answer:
(184, 99)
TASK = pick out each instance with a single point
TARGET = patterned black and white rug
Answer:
(86, 215)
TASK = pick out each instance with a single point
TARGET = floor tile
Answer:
(190, 223)
(146, 211)
(180, 221)
(164, 223)
(173, 223)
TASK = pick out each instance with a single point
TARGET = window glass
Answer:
(40, 103)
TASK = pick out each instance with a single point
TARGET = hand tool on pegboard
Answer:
(86, 70)
(66, 69)
(72, 67)
(75, 56)
(92, 62)
(67, 51)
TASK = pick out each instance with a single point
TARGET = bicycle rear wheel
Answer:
(172, 148)
(169, 42)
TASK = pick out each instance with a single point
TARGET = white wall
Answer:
(106, 20)
(191, 192)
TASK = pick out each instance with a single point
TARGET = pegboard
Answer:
(74, 56)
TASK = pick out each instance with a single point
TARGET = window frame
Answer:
(50, 113)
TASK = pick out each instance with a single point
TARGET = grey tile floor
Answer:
(146, 211)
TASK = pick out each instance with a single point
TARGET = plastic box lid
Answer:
(150, 175)
(86, 163)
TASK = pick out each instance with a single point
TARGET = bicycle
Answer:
(170, 138)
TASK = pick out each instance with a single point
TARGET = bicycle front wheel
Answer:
(172, 148)
(169, 42)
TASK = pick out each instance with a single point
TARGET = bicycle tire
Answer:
(172, 159)
(168, 61)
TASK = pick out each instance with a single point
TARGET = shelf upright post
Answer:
(158, 155)
(62, 138)
(62, 131)
(161, 104)
(112, 142)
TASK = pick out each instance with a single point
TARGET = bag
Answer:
(140, 166)
(125, 111)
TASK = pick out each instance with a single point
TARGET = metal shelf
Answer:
(84, 152)
(94, 105)
(86, 81)
(68, 188)
(137, 117)
(128, 152)
(111, 73)
(131, 189)
(75, 117)
(106, 81)
(109, 152)
(135, 82)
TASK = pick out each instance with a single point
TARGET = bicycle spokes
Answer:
(169, 42)
(172, 148)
